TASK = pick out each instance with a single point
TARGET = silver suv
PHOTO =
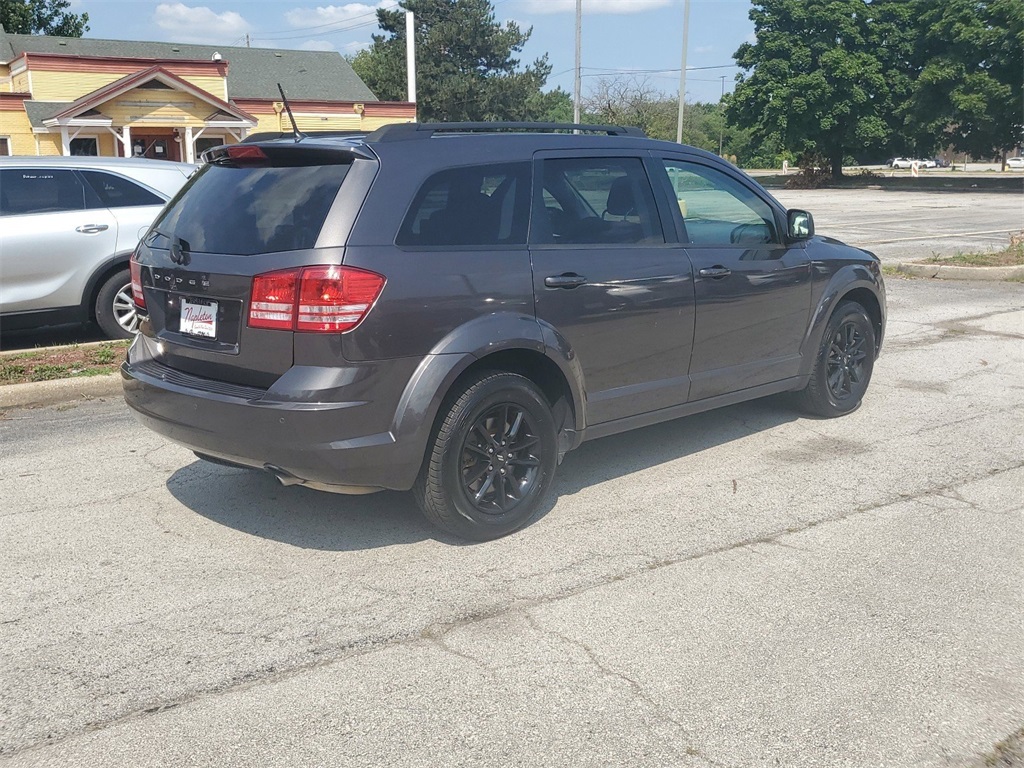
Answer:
(67, 228)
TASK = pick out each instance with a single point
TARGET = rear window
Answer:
(247, 210)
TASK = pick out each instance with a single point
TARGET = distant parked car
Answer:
(928, 163)
(1015, 163)
(902, 162)
(940, 162)
(67, 228)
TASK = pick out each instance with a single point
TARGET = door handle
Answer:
(91, 229)
(715, 272)
(568, 280)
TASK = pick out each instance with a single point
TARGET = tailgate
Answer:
(232, 222)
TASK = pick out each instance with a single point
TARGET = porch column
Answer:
(126, 141)
(65, 142)
(190, 148)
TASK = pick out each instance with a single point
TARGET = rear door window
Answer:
(118, 192)
(40, 190)
(247, 210)
(483, 205)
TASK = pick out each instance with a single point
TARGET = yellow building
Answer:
(79, 96)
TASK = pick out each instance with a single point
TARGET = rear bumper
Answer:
(336, 446)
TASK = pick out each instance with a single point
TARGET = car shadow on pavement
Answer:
(253, 502)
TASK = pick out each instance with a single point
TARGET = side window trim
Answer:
(671, 238)
(661, 158)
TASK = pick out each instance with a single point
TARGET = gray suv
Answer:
(67, 228)
(450, 308)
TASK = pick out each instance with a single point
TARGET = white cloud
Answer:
(335, 14)
(317, 45)
(705, 48)
(199, 24)
(357, 46)
(594, 6)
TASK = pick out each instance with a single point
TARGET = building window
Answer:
(204, 144)
(84, 147)
(5, 146)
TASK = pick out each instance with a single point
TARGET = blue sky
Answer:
(618, 35)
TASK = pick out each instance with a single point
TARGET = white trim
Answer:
(10, 146)
(95, 122)
(225, 124)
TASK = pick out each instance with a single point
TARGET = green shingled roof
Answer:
(43, 110)
(253, 73)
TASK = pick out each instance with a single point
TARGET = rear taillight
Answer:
(273, 300)
(136, 272)
(313, 299)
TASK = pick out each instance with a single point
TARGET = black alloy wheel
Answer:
(500, 461)
(847, 355)
(843, 365)
(492, 458)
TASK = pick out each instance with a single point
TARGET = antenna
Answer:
(299, 135)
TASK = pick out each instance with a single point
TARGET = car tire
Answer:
(492, 459)
(843, 365)
(115, 308)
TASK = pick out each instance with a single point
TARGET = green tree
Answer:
(632, 100)
(466, 65)
(42, 17)
(968, 75)
(815, 79)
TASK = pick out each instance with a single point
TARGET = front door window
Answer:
(752, 290)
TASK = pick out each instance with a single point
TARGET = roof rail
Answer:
(408, 131)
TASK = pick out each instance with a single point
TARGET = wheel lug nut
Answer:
(490, 450)
(503, 471)
(490, 467)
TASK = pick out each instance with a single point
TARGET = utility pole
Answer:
(247, 40)
(410, 54)
(577, 86)
(721, 125)
(682, 71)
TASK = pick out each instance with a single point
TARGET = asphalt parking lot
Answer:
(741, 588)
(903, 225)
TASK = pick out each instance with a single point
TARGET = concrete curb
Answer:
(957, 272)
(40, 393)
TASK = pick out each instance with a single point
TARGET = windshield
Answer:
(247, 210)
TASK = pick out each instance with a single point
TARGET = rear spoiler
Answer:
(284, 154)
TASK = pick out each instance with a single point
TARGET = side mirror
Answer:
(800, 225)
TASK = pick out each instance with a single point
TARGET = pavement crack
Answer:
(339, 652)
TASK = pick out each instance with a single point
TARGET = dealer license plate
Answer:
(199, 318)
